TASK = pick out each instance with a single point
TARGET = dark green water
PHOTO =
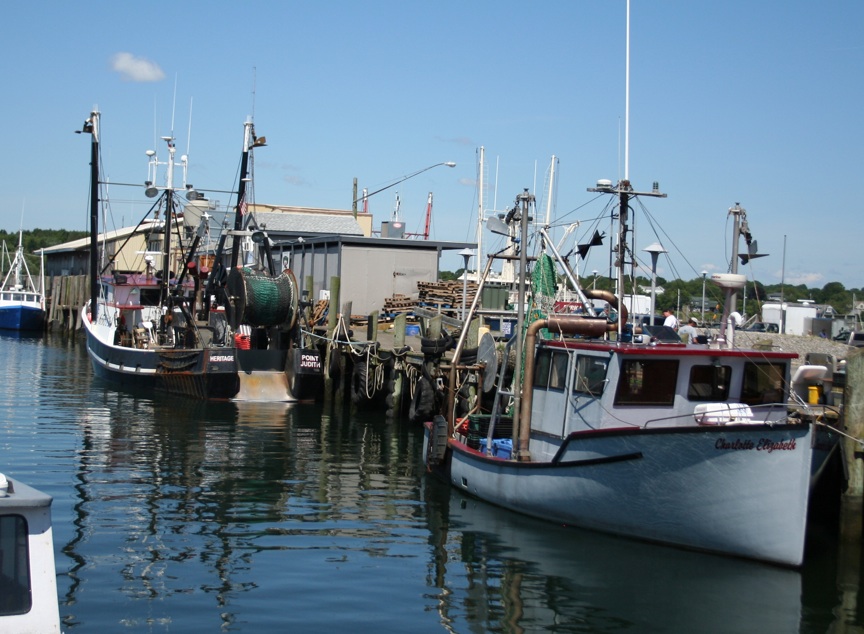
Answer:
(173, 516)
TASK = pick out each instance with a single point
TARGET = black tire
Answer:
(423, 404)
(468, 356)
(359, 383)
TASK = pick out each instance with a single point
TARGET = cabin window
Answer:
(550, 370)
(709, 383)
(149, 297)
(763, 383)
(7, 297)
(541, 368)
(590, 375)
(15, 597)
(647, 382)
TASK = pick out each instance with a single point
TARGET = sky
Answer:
(755, 103)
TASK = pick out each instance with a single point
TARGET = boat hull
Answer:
(739, 490)
(18, 317)
(200, 373)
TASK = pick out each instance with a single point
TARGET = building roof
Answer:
(83, 244)
(307, 223)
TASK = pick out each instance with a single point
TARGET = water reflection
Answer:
(175, 515)
(511, 573)
(184, 498)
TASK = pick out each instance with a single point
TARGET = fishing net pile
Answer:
(262, 300)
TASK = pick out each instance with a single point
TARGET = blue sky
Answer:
(733, 101)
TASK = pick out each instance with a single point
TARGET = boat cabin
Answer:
(581, 385)
(20, 297)
(28, 582)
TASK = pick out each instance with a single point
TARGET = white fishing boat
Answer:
(22, 303)
(690, 445)
(28, 582)
(182, 320)
(602, 426)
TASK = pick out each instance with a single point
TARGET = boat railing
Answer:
(768, 409)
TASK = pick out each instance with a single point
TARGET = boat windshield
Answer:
(14, 567)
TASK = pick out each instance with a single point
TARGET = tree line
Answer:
(686, 295)
(32, 241)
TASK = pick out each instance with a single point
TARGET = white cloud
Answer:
(808, 279)
(137, 69)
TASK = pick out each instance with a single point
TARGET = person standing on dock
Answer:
(671, 320)
(688, 331)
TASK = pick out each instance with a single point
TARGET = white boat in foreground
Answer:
(28, 582)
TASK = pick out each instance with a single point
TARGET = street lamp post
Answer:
(704, 275)
(655, 250)
(401, 180)
(466, 256)
(594, 281)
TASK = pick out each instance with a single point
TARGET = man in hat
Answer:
(688, 332)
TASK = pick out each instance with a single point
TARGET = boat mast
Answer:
(551, 190)
(480, 202)
(91, 127)
(240, 209)
(624, 189)
(524, 201)
(169, 221)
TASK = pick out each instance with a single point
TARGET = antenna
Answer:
(189, 132)
(254, 83)
(173, 106)
(627, 100)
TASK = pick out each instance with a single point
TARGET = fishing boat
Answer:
(28, 601)
(181, 319)
(600, 425)
(608, 428)
(22, 304)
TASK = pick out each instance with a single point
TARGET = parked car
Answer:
(763, 326)
(856, 339)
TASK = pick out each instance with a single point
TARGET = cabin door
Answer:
(586, 381)
(552, 385)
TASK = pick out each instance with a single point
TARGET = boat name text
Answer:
(310, 361)
(222, 357)
(763, 444)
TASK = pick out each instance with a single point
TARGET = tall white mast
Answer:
(627, 100)
(480, 262)
(551, 189)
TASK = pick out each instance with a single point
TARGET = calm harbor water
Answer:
(177, 516)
